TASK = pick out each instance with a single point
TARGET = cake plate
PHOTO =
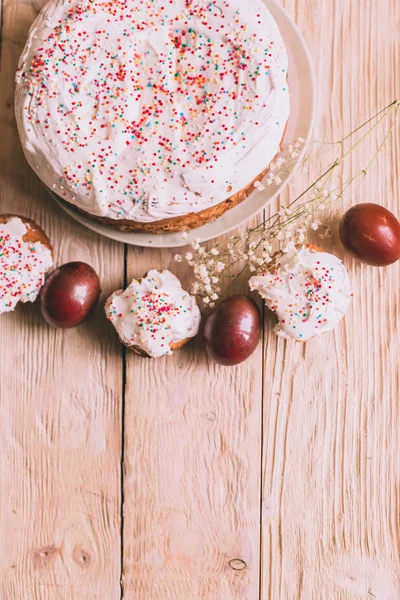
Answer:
(302, 97)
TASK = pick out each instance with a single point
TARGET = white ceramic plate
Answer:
(302, 94)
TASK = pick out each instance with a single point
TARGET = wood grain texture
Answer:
(192, 471)
(331, 451)
(310, 430)
(60, 400)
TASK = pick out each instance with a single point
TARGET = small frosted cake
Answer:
(309, 295)
(154, 316)
(152, 115)
(25, 257)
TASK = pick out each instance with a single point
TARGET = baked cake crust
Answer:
(176, 224)
(34, 234)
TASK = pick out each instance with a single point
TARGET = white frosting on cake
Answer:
(154, 313)
(141, 110)
(309, 297)
(22, 265)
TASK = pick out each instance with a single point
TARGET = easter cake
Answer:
(152, 115)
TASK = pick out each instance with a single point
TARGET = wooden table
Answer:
(177, 479)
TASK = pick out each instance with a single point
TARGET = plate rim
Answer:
(181, 239)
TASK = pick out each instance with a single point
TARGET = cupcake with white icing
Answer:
(25, 257)
(310, 295)
(154, 316)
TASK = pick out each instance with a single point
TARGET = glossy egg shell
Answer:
(371, 233)
(232, 331)
(70, 295)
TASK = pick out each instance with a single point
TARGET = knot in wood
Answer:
(81, 557)
(45, 555)
(237, 564)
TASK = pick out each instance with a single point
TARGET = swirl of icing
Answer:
(22, 265)
(142, 110)
(154, 314)
(309, 297)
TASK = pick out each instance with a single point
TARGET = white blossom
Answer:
(196, 244)
(178, 258)
(259, 186)
(315, 225)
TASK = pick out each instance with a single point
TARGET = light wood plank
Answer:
(192, 470)
(60, 401)
(331, 412)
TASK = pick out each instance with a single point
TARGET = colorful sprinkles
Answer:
(163, 87)
(22, 265)
(310, 297)
(154, 313)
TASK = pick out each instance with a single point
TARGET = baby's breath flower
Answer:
(290, 247)
(315, 225)
(280, 236)
(259, 186)
(184, 235)
(178, 258)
